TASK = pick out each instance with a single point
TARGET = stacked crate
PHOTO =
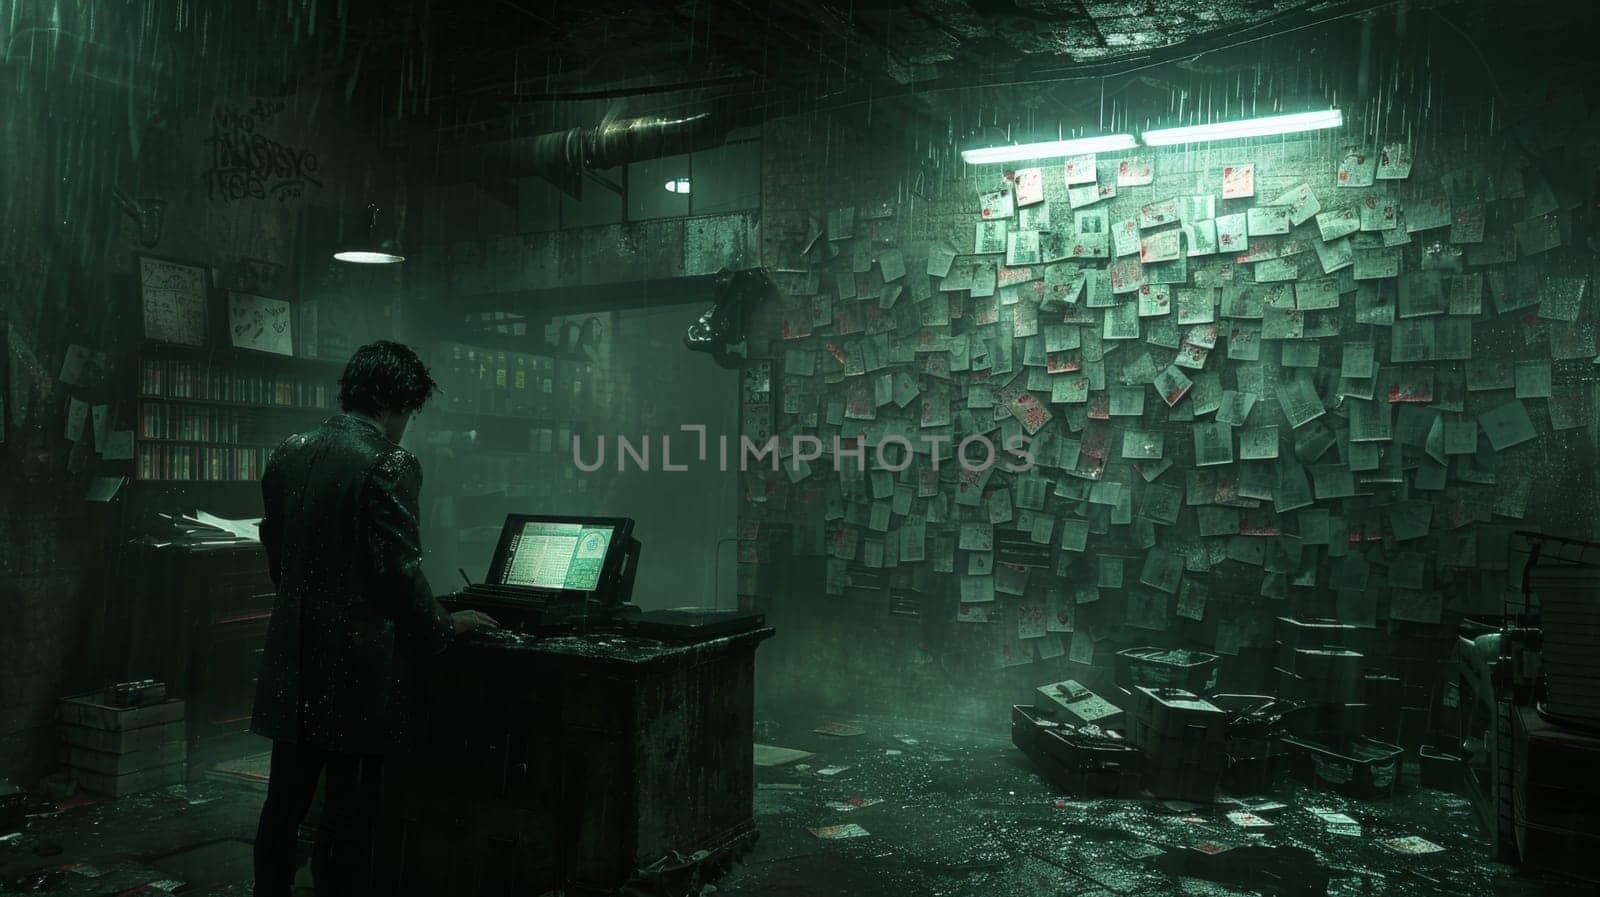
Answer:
(1324, 675)
(1350, 764)
(1152, 667)
(1256, 757)
(1182, 737)
(1423, 657)
(1570, 644)
(1553, 795)
(1088, 762)
(118, 750)
(1069, 702)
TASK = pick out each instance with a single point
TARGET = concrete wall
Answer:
(66, 262)
(845, 647)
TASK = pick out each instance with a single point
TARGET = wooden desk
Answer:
(194, 617)
(570, 762)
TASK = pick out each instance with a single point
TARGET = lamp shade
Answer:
(372, 250)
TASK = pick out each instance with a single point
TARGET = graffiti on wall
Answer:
(246, 163)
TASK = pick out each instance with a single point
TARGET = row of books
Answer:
(495, 381)
(187, 422)
(191, 380)
(201, 463)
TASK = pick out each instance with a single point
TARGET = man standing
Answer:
(354, 616)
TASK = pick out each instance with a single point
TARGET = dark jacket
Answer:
(354, 615)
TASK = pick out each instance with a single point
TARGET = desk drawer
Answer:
(222, 685)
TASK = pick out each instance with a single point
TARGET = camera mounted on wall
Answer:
(720, 331)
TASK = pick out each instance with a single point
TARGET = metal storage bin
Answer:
(1356, 766)
(1151, 667)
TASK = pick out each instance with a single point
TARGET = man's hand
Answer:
(472, 621)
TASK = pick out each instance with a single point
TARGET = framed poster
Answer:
(259, 323)
(174, 297)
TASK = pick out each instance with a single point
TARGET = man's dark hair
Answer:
(385, 376)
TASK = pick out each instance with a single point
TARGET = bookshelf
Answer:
(521, 403)
(213, 416)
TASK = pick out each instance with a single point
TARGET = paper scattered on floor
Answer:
(1411, 844)
(840, 730)
(1262, 806)
(831, 770)
(769, 755)
(853, 803)
(1248, 820)
(1337, 823)
(839, 832)
(905, 739)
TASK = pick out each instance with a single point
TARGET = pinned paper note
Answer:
(77, 417)
(1238, 181)
(1136, 172)
(1079, 170)
(989, 237)
(1028, 184)
(1358, 168)
(997, 204)
(1394, 161)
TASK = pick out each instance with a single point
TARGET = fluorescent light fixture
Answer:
(370, 256)
(1250, 127)
(1049, 149)
(678, 185)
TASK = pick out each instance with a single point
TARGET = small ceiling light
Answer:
(374, 251)
(678, 185)
(1250, 127)
(1049, 149)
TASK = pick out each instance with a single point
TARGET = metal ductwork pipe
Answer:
(562, 157)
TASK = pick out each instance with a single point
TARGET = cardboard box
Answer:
(125, 741)
(90, 710)
(131, 783)
(111, 764)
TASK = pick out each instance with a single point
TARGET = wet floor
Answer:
(936, 811)
(965, 813)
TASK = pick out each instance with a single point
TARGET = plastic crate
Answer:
(1319, 691)
(1191, 780)
(1076, 705)
(1089, 782)
(1092, 753)
(1150, 667)
(1026, 727)
(1092, 766)
(1174, 713)
(1074, 763)
(1254, 765)
(1355, 766)
(1295, 632)
(1441, 770)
